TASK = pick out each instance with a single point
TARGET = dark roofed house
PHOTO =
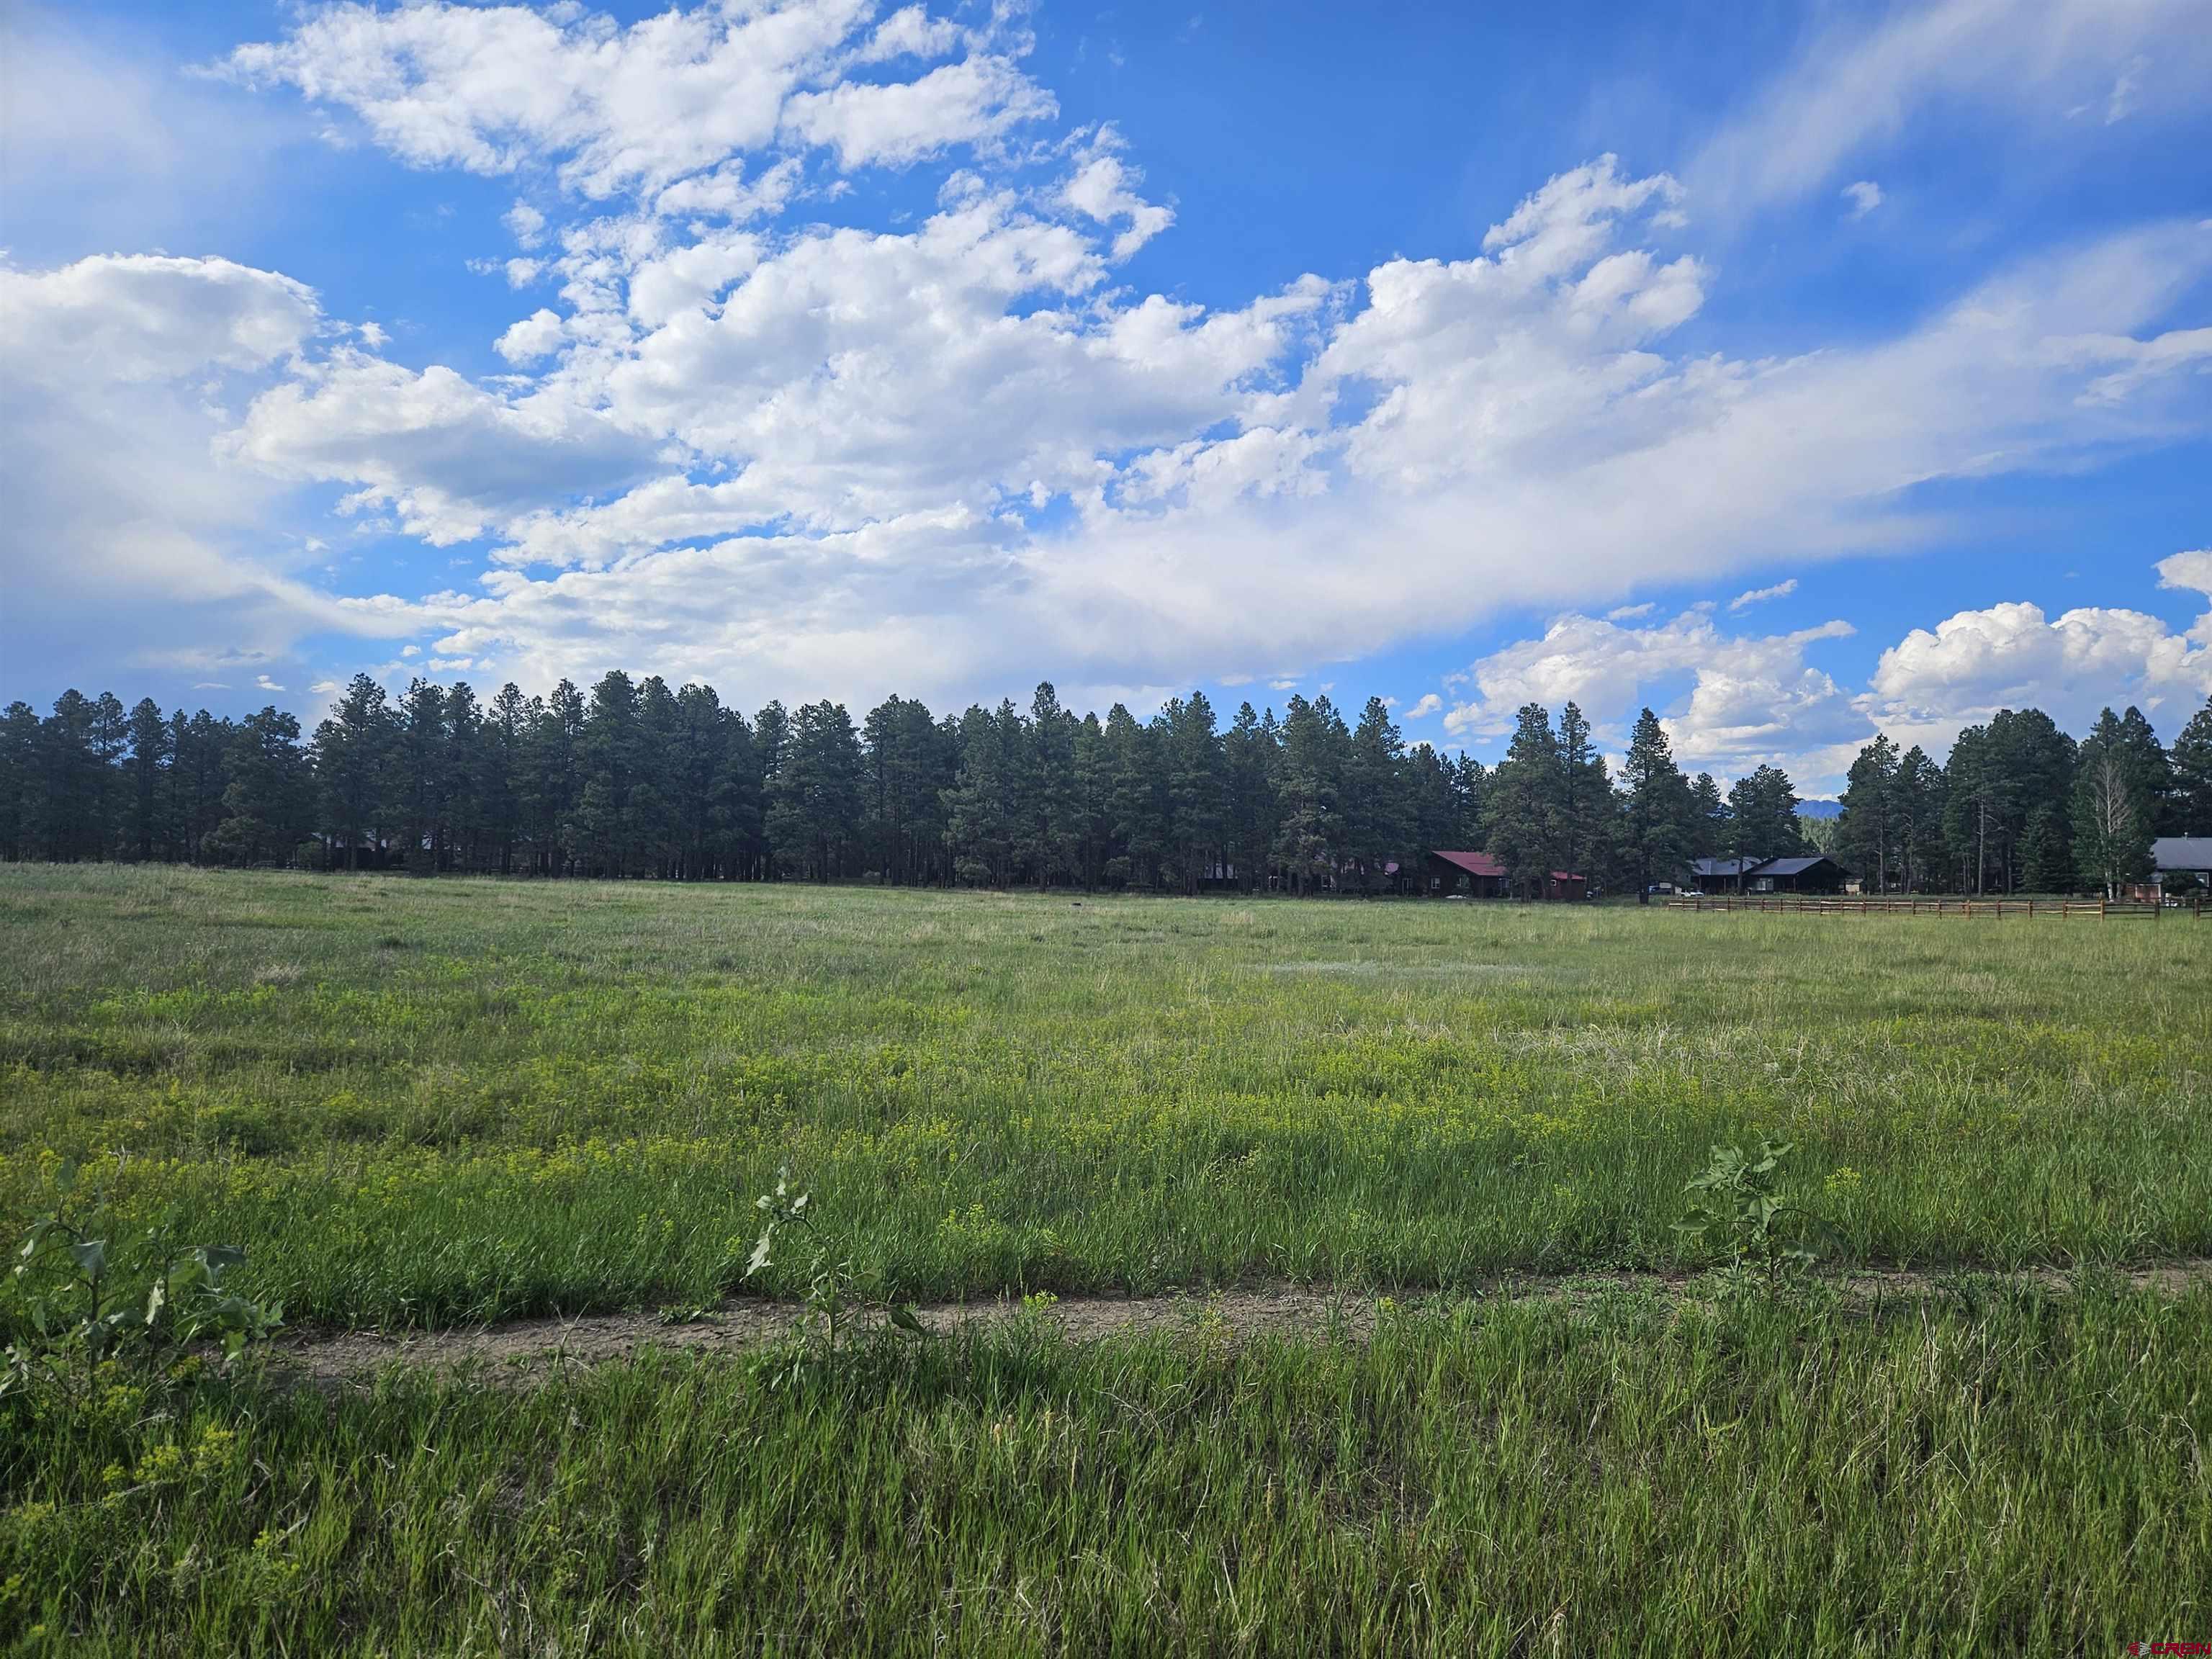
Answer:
(1795, 875)
(1807, 875)
(2182, 861)
(1720, 875)
(1478, 875)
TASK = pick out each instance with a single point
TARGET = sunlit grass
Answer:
(439, 1101)
(436, 1100)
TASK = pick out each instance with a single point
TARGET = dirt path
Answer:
(525, 1349)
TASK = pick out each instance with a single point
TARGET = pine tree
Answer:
(462, 782)
(1191, 749)
(1763, 816)
(1658, 810)
(19, 774)
(1526, 831)
(1590, 835)
(698, 763)
(737, 797)
(978, 814)
(815, 800)
(904, 760)
(771, 737)
(2043, 853)
(418, 759)
(2149, 765)
(149, 756)
(506, 736)
(269, 801)
(2192, 775)
(1917, 810)
(1249, 765)
(1311, 780)
(656, 821)
(1378, 808)
(1867, 832)
(1049, 841)
(353, 759)
(1094, 795)
(1709, 818)
(1139, 807)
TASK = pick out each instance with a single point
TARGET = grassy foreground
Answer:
(2023, 1476)
(436, 1101)
(420, 1102)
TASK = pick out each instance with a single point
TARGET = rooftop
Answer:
(2182, 851)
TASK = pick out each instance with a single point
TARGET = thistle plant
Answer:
(830, 1293)
(1736, 1205)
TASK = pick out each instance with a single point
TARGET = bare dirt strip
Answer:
(532, 1348)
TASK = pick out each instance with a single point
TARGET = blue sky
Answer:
(1796, 370)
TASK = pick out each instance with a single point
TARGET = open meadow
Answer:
(430, 1103)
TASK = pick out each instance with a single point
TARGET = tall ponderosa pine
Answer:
(1708, 819)
(1378, 808)
(150, 757)
(1310, 840)
(1248, 750)
(815, 800)
(1589, 833)
(1916, 807)
(1196, 804)
(1867, 832)
(1525, 830)
(2192, 775)
(354, 752)
(268, 800)
(1762, 821)
(1659, 812)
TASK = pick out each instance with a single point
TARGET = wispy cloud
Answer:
(1761, 595)
(1853, 90)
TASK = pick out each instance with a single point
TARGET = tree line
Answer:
(2020, 806)
(638, 779)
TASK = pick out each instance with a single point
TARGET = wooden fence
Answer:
(1988, 909)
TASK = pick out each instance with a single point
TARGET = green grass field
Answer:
(429, 1102)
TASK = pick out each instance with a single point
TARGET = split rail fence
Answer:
(2197, 909)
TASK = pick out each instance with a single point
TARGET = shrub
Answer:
(78, 1298)
(1736, 1205)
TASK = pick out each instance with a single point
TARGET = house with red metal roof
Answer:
(1478, 875)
